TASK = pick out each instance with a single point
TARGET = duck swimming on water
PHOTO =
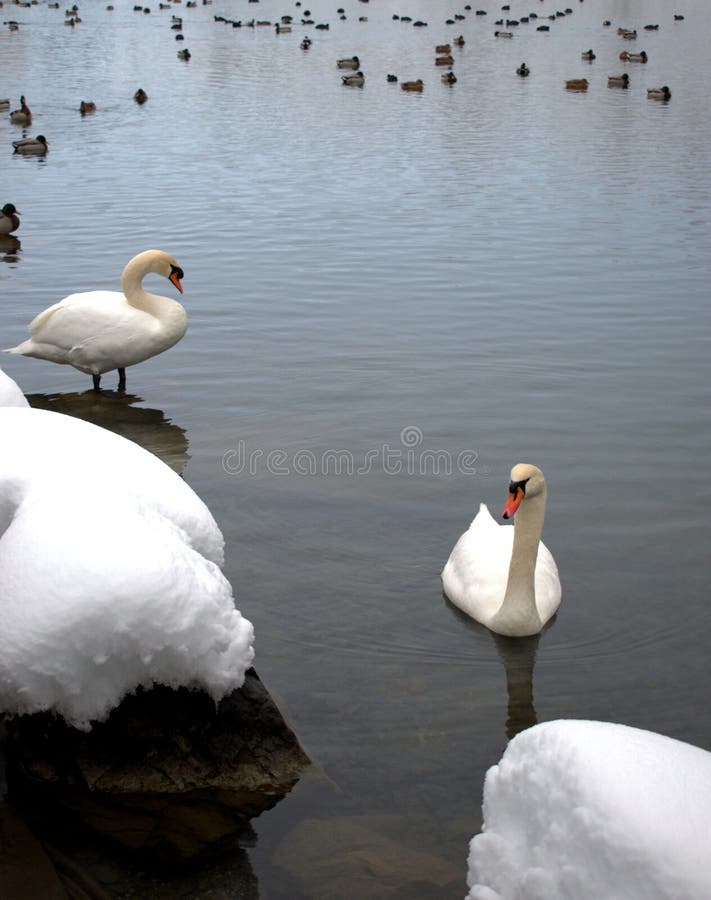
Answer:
(9, 220)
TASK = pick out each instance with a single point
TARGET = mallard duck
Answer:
(352, 63)
(38, 145)
(459, 41)
(140, 96)
(503, 34)
(662, 93)
(444, 61)
(9, 220)
(627, 33)
(184, 54)
(622, 81)
(392, 78)
(449, 78)
(633, 57)
(413, 85)
(446, 49)
(306, 43)
(98, 331)
(87, 106)
(587, 54)
(357, 79)
(23, 115)
(577, 84)
(523, 70)
(282, 29)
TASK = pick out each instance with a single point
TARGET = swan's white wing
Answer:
(95, 331)
(475, 575)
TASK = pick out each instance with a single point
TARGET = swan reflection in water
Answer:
(115, 411)
(518, 656)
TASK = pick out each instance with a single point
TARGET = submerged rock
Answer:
(168, 772)
(321, 855)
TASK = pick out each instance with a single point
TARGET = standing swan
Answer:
(504, 577)
(98, 331)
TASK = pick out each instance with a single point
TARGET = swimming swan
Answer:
(504, 577)
(98, 331)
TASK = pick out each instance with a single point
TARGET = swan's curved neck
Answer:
(518, 615)
(161, 308)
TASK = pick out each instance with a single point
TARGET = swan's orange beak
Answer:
(175, 278)
(514, 501)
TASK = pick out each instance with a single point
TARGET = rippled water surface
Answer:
(394, 297)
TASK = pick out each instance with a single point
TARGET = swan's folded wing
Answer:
(548, 589)
(77, 315)
(475, 575)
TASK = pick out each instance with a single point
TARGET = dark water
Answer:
(393, 298)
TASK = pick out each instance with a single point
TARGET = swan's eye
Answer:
(176, 270)
(515, 486)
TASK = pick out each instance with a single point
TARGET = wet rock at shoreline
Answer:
(168, 773)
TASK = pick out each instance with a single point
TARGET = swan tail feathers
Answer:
(20, 349)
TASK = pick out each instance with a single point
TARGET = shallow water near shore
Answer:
(392, 299)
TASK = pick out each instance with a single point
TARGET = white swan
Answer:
(504, 577)
(98, 331)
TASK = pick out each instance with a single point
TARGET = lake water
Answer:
(393, 298)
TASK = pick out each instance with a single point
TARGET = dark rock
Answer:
(168, 772)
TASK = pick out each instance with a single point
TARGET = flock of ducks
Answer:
(352, 76)
(623, 80)
(355, 77)
(444, 56)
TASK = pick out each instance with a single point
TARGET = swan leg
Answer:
(97, 381)
(122, 379)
